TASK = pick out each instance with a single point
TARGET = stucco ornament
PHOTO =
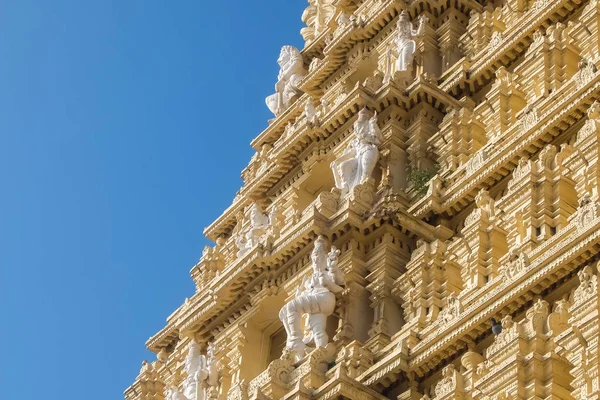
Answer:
(405, 44)
(316, 16)
(291, 73)
(448, 382)
(173, 393)
(316, 298)
(202, 373)
(310, 112)
(356, 165)
(253, 234)
(588, 285)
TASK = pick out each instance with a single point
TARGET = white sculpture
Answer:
(405, 45)
(202, 373)
(355, 166)
(259, 226)
(315, 297)
(291, 73)
(173, 393)
(316, 16)
(310, 112)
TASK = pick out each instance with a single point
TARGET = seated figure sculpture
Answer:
(356, 165)
(315, 297)
(259, 225)
(291, 73)
(202, 373)
(405, 45)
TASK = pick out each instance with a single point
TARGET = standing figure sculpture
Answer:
(315, 297)
(291, 73)
(405, 45)
(355, 166)
(202, 373)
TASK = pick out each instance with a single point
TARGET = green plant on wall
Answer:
(420, 179)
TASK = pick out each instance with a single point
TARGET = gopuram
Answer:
(421, 219)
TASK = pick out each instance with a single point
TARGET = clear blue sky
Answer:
(118, 146)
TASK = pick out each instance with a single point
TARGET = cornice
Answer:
(564, 109)
(568, 251)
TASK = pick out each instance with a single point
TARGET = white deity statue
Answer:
(316, 16)
(202, 373)
(315, 297)
(310, 112)
(173, 393)
(405, 45)
(291, 73)
(355, 166)
(259, 225)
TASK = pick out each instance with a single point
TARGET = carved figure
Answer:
(202, 373)
(452, 309)
(517, 263)
(291, 73)
(588, 285)
(405, 44)
(259, 225)
(173, 393)
(355, 166)
(310, 112)
(316, 16)
(448, 382)
(315, 297)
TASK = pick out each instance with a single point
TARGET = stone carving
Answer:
(173, 393)
(310, 112)
(291, 73)
(485, 207)
(343, 21)
(484, 368)
(517, 262)
(529, 119)
(536, 318)
(260, 225)
(278, 371)
(591, 125)
(146, 368)
(588, 285)
(496, 40)
(340, 94)
(452, 309)
(448, 382)
(587, 212)
(374, 82)
(504, 79)
(314, 64)
(477, 161)
(558, 320)
(356, 165)
(202, 373)
(523, 169)
(587, 71)
(316, 298)
(316, 16)
(404, 41)
(508, 334)
(540, 5)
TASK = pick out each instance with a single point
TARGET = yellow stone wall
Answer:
(484, 204)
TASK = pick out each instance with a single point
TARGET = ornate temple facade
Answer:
(421, 219)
